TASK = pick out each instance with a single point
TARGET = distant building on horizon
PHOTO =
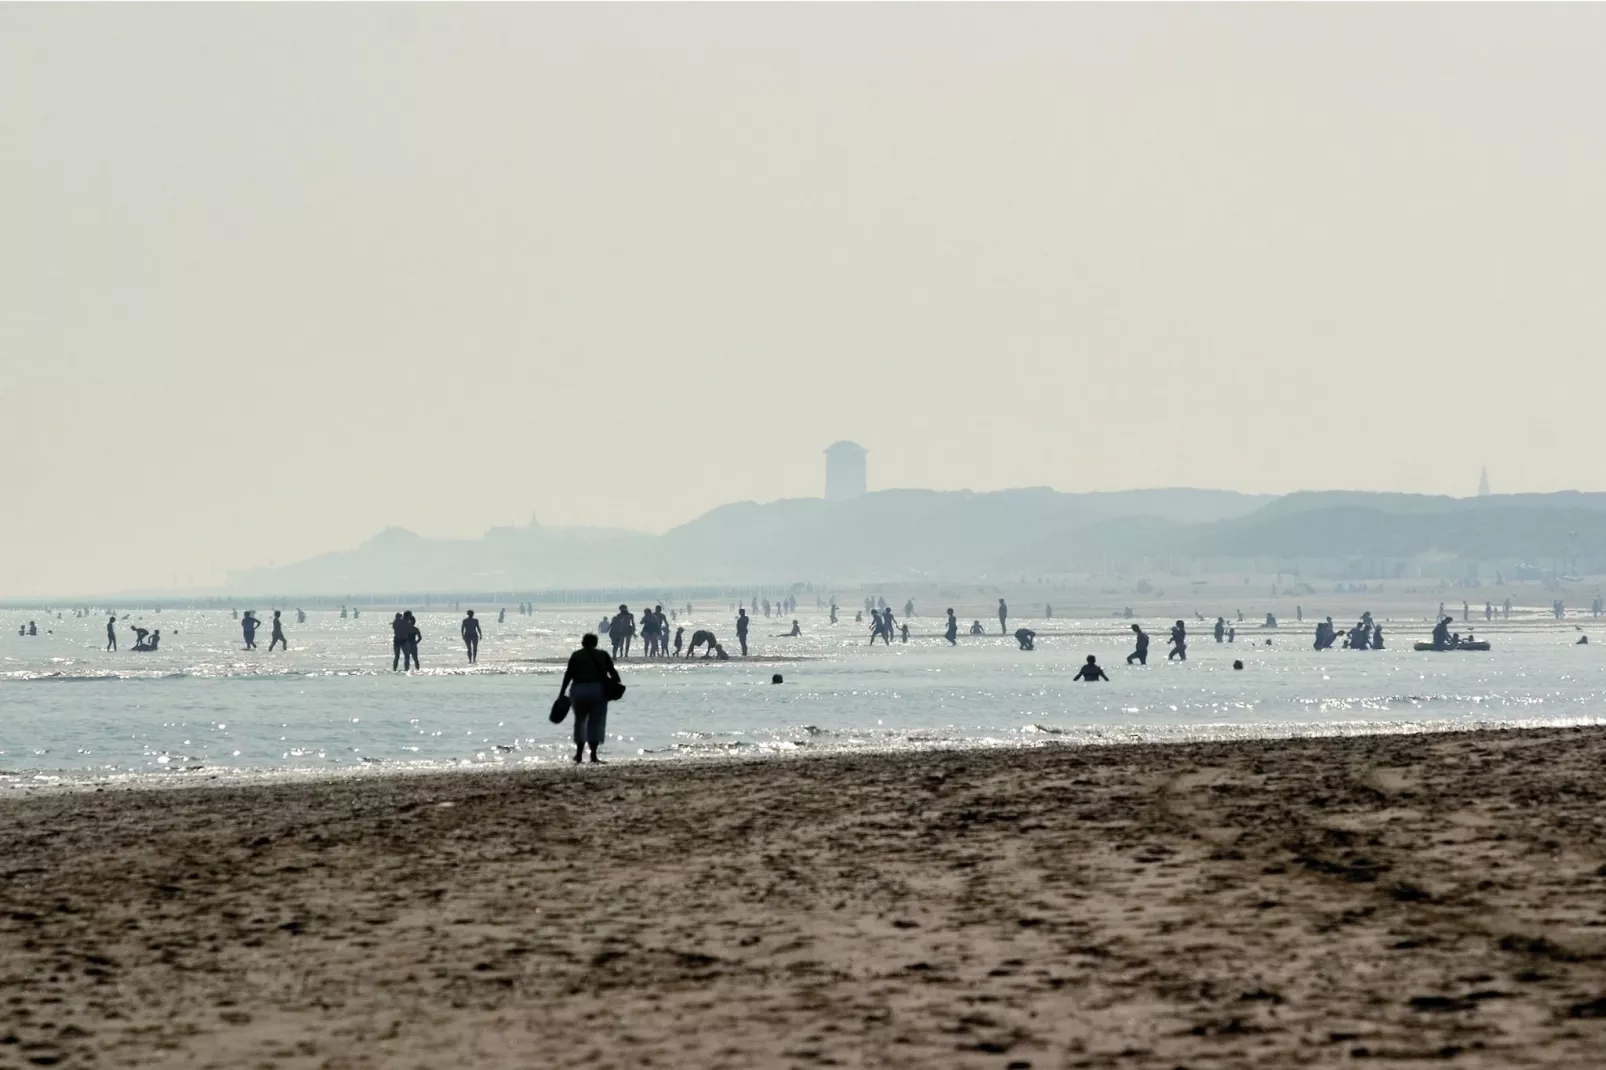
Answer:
(1483, 484)
(844, 471)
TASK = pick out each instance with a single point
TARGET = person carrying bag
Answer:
(589, 683)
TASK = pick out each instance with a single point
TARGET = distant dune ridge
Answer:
(962, 535)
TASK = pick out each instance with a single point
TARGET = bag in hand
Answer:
(613, 690)
(560, 709)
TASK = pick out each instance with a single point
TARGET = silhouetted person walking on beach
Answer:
(1141, 654)
(111, 632)
(951, 633)
(1003, 618)
(742, 621)
(586, 682)
(619, 629)
(277, 638)
(471, 637)
(1179, 643)
(680, 636)
(249, 625)
(1090, 672)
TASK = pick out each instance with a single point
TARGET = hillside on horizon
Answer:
(962, 535)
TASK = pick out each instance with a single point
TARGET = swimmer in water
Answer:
(1090, 672)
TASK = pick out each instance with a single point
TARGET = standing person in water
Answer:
(111, 632)
(1221, 628)
(585, 681)
(398, 641)
(470, 629)
(742, 621)
(887, 625)
(249, 625)
(414, 637)
(833, 610)
(1141, 654)
(952, 631)
(680, 637)
(1179, 642)
(277, 638)
(1003, 618)
(1090, 672)
(501, 614)
(301, 618)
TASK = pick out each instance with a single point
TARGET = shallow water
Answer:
(204, 707)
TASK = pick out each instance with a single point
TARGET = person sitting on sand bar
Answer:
(793, 634)
(1090, 672)
(975, 628)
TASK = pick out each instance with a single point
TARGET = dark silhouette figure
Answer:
(1090, 672)
(586, 682)
(414, 637)
(145, 645)
(249, 625)
(1003, 618)
(976, 628)
(139, 637)
(833, 611)
(903, 632)
(398, 641)
(741, 630)
(702, 637)
(1377, 637)
(1141, 654)
(301, 618)
(111, 632)
(277, 637)
(793, 634)
(680, 635)
(1221, 629)
(887, 625)
(1441, 634)
(909, 608)
(501, 614)
(470, 628)
(1025, 637)
(620, 628)
(951, 632)
(1179, 643)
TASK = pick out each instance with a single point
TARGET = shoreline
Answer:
(1268, 902)
(28, 783)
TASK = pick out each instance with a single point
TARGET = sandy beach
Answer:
(1371, 901)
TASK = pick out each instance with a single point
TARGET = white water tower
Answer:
(844, 471)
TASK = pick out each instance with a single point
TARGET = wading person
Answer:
(586, 682)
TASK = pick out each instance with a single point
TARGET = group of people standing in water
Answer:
(1366, 635)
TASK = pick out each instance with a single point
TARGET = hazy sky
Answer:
(273, 278)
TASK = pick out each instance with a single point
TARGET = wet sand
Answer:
(1376, 901)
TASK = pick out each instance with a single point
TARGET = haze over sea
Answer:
(202, 707)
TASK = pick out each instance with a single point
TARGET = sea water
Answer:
(203, 707)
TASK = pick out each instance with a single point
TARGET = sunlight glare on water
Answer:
(202, 706)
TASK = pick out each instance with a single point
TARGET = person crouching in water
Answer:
(1026, 638)
(589, 670)
(1091, 671)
